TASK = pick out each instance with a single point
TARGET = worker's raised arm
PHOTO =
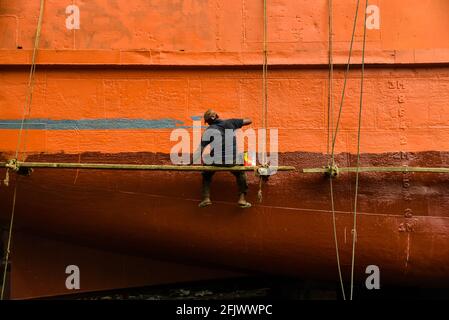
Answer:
(247, 121)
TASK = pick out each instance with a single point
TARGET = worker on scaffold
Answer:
(220, 134)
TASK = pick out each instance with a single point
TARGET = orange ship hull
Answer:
(113, 91)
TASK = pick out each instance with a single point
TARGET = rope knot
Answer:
(13, 165)
(263, 172)
(333, 170)
(10, 165)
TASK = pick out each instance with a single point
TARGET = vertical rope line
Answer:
(27, 106)
(264, 76)
(31, 79)
(344, 83)
(264, 94)
(334, 224)
(8, 246)
(330, 101)
(334, 134)
(330, 123)
(354, 228)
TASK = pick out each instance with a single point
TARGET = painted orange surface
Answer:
(403, 111)
(167, 61)
(212, 32)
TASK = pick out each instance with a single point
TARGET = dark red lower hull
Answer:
(402, 222)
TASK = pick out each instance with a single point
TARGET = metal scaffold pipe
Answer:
(115, 166)
(376, 169)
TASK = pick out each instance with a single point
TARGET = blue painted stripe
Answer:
(94, 124)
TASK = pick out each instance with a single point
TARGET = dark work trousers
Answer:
(240, 177)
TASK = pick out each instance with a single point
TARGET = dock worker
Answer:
(229, 157)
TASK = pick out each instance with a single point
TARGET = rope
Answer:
(344, 83)
(354, 228)
(27, 106)
(334, 225)
(329, 124)
(334, 134)
(259, 193)
(264, 91)
(8, 245)
(330, 100)
(31, 78)
(264, 77)
(6, 180)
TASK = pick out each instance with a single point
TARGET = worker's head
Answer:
(210, 116)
